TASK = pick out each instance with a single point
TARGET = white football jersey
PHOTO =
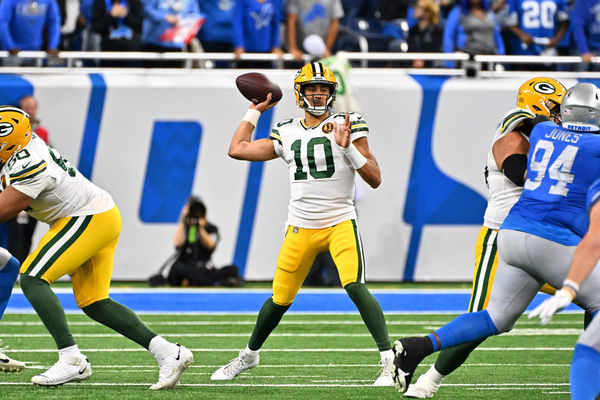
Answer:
(58, 189)
(502, 192)
(321, 177)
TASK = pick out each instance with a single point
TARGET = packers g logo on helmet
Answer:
(312, 73)
(541, 96)
(15, 131)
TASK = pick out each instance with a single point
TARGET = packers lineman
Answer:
(322, 150)
(505, 176)
(84, 229)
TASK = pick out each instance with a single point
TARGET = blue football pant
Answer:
(9, 270)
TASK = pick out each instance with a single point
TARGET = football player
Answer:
(9, 270)
(504, 176)
(537, 240)
(323, 152)
(85, 225)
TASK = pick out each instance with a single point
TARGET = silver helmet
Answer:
(580, 109)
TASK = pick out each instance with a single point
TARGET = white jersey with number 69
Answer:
(321, 177)
(58, 190)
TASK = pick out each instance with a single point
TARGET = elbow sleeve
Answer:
(514, 167)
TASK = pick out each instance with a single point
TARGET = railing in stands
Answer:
(482, 65)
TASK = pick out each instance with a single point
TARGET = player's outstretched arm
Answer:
(358, 153)
(370, 172)
(12, 202)
(242, 146)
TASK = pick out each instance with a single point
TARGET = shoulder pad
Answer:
(513, 119)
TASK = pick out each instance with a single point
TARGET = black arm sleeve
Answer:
(527, 126)
(514, 167)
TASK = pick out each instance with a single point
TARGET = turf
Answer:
(307, 357)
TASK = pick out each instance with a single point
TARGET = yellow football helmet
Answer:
(542, 96)
(15, 131)
(312, 73)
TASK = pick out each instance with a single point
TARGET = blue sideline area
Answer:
(236, 301)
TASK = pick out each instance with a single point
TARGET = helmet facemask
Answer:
(309, 105)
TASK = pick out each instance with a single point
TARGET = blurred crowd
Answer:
(319, 28)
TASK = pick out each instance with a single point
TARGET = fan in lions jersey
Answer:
(505, 176)
(323, 150)
(85, 225)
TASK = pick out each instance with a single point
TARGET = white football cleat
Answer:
(172, 367)
(385, 377)
(7, 364)
(68, 368)
(234, 368)
(423, 388)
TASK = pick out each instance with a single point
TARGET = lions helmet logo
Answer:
(544, 88)
(5, 128)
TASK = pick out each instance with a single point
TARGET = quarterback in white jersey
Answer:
(323, 152)
(85, 225)
(324, 195)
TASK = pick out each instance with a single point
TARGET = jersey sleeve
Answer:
(593, 194)
(276, 138)
(358, 127)
(29, 175)
(514, 119)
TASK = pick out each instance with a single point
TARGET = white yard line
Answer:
(315, 350)
(514, 332)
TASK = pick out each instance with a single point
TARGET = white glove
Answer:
(551, 306)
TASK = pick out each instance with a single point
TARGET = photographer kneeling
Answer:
(195, 240)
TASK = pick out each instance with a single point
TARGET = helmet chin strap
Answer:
(317, 110)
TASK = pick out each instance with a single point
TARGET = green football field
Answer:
(307, 357)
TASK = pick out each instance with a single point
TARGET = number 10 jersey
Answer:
(321, 177)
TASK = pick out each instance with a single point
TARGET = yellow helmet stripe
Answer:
(14, 109)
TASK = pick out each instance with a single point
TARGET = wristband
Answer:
(252, 116)
(354, 156)
(571, 285)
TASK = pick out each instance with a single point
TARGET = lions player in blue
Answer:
(9, 270)
(538, 238)
(585, 366)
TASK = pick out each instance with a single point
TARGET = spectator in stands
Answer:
(23, 23)
(256, 30)
(472, 27)
(586, 29)
(307, 17)
(159, 16)
(368, 9)
(426, 35)
(119, 22)
(70, 32)
(22, 227)
(536, 33)
(216, 35)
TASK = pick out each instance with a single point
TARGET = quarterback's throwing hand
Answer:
(342, 132)
(551, 306)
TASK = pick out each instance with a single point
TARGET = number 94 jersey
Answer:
(58, 189)
(321, 177)
(562, 164)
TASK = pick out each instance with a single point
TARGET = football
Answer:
(255, 87)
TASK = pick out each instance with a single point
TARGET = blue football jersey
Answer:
(562, 165)
(538, 18)
(593, 194)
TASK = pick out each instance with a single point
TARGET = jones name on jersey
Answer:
(321, 177)
(58, 189)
